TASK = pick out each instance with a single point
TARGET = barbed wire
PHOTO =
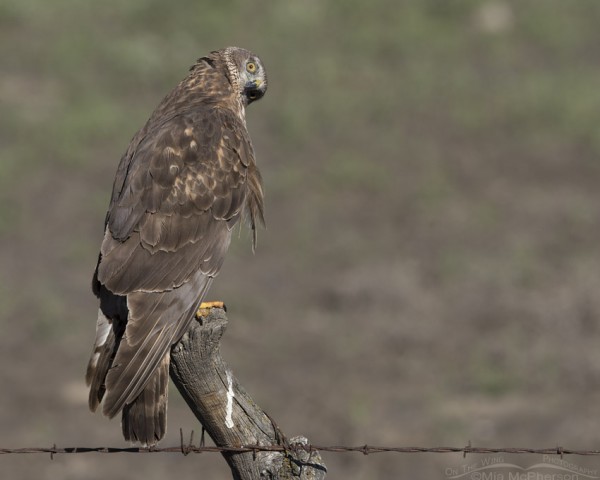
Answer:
(364, 449)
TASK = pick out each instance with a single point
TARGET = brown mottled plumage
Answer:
(186, 179)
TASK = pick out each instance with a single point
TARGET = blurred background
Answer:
(430, 273)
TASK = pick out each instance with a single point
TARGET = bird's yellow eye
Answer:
(251, 67)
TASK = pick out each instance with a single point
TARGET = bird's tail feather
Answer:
(145, 419)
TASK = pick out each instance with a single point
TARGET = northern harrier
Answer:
(185, 181)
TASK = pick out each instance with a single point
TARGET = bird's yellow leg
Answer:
(205, 308)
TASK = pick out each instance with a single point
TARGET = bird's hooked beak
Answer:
(254, 89)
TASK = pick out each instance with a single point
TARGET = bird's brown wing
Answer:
(176, 197)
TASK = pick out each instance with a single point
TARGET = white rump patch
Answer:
(102, 329)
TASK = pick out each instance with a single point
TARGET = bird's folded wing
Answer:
(176, 199)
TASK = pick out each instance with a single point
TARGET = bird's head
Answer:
(247, 73)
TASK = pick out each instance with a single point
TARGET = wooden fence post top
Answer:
(228, 414)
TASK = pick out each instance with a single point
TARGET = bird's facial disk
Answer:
(254, 79)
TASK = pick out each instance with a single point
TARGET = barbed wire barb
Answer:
(467, 448)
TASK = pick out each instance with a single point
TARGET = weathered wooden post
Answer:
(228, 413)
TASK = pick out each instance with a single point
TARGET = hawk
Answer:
(187, 178)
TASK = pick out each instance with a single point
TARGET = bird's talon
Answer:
(205, 308)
